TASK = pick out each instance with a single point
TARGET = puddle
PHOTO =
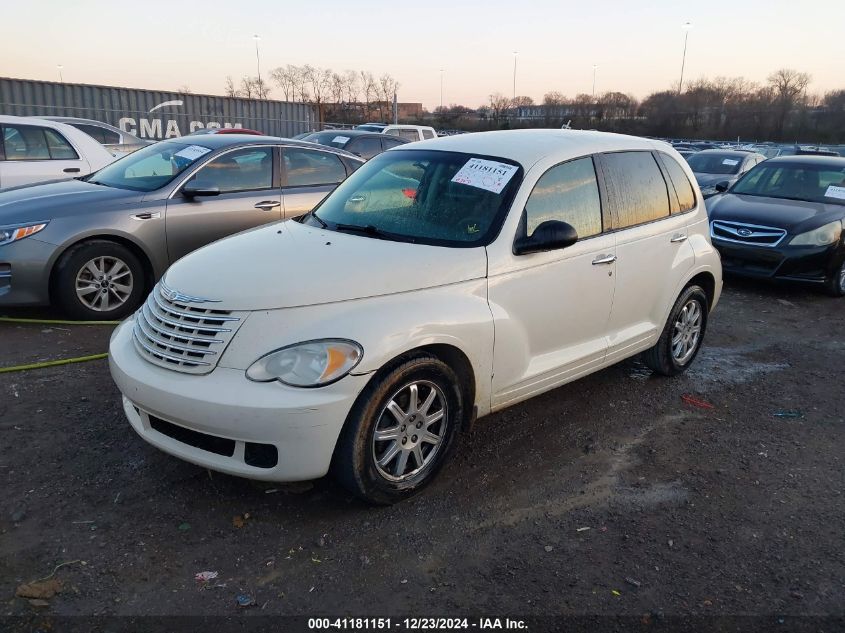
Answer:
(730, 365)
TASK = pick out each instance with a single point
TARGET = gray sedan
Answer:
(95, 246)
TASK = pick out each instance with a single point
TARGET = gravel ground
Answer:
(611, 496)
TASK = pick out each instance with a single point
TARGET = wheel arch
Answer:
(707, 281)
(131, 245)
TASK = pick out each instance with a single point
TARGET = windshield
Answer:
(149, 168)
(335, 138)
(813, 183)
(424, 196)
(715, 163)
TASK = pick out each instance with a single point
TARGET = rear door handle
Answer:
(604, 259)
(72, 170)
(267, 205)
(678, 237)
(147, 216)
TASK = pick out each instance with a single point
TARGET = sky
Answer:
(638, 48)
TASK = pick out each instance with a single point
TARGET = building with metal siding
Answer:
(151, 113)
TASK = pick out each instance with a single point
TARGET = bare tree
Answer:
(553, 98)
(368, 88)
(317, 83)
(521, 101)
(499, 104)
(788, 86)
(230, 89)
(288, 79)
(386, 88)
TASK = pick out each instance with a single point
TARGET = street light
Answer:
(258, 62)
(61, 79)
(594, 81)
(441, 89)
(514, 74)
(687, 26)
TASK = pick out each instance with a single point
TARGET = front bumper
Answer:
(221, 420)
(25, 272)
(813, 264)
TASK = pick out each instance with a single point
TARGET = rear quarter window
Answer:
(635, 188)
(681, 184)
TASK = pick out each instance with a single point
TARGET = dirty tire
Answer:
(354, 462)
(69, 266)
(835, 285)
(660, 358)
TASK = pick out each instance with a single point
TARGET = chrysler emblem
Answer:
(175, 296)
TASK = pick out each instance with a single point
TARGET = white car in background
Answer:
(411, 132)
(505, 265)
(34, 150)
(112, 138)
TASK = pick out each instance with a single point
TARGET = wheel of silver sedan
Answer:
(410, 430)
(104, 283)
(687, 331)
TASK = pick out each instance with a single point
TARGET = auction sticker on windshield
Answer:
(485, 174)
(730, 161)
(192, 152)
(340, 139)
(835, 192)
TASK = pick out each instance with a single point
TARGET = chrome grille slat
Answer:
(177, 335)
(185, 340)
(748, 234)
(162, 342)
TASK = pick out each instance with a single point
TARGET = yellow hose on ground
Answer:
(54, 363)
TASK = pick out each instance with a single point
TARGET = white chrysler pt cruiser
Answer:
(443, 281)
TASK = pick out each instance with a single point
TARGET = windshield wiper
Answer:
(374, 231)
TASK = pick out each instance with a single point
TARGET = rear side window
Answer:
(427, 134)
(387, 143)
(99, 134)
(407, 133)
(567, 192)
(365, 147)
(27, 142)
(683, 188)
(635, 188)
(305, 167)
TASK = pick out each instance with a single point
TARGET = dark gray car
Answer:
(721, 167)
(95, 246)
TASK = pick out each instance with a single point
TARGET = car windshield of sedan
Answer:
(149, 168)
(715, 163)
(423, 196)
(813, 183)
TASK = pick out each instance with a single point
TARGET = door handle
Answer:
(604, 259)
(147, 216)
(267, 205)
(678, 237)
(72, 170)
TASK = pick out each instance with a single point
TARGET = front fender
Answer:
(386, 327)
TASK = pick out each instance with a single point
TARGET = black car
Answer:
(360, 142)
(784, 220)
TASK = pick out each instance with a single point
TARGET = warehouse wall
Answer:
(152, 113)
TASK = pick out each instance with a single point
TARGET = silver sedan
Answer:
(95, 246)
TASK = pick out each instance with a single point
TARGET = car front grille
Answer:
(181, 336)
(749, 234)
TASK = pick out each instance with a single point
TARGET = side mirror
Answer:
(551, 235)
(192, 190)
(723, 186)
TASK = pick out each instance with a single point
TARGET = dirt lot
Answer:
(608, 496)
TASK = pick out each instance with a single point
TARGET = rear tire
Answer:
(682, 335)
(416, 408)
(98, 280)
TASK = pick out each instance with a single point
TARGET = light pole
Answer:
(441, 89)
(61, 79)
(514, 74)
(258, 63)
(687, 26)
(594, 81)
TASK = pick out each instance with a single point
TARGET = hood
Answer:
(776, 212)
(61, 198)
(289, 264)
(705, 180)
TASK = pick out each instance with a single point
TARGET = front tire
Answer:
(401, 430)
(99, 280)
(682, 335)
(836, 283)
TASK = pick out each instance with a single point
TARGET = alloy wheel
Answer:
(687, 331)
(104, 283)
(410, 430)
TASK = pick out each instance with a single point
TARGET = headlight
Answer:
(15, 233)
(822, 236)
(308, 364)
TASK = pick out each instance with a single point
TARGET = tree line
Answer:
(781, 109)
